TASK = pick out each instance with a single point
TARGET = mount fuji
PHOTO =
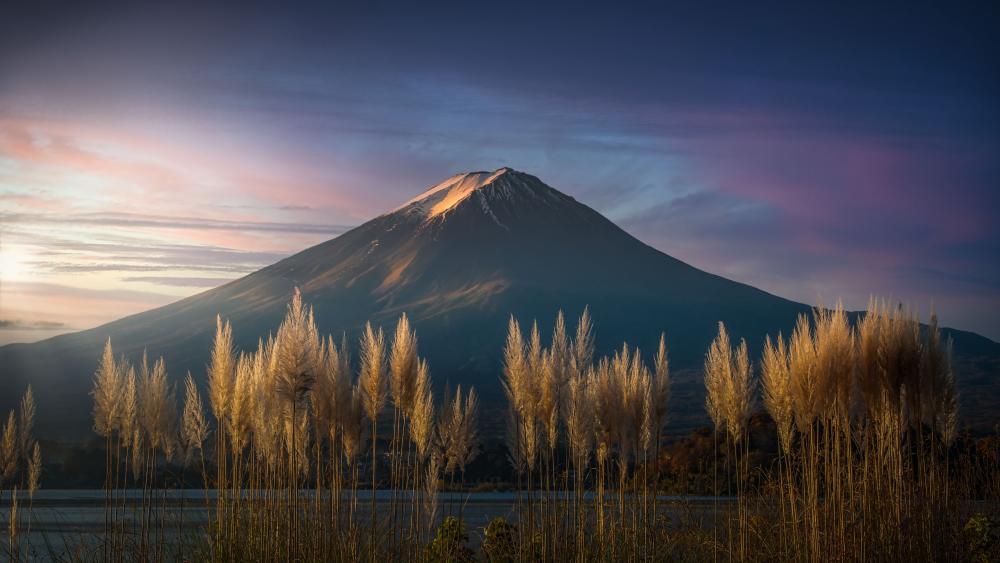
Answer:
(459, 259)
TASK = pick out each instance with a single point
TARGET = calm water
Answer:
(60, 519)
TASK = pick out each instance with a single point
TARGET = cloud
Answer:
(18, 324)
(118, 219)
(62, 267)
(56, 291)
(60, 253)
(177, 281)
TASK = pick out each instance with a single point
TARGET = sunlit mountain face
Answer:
(459, 259)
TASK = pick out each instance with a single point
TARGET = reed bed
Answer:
(20, 472)
(865, 416)
(282, 457)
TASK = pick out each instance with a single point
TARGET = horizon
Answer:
(148, 154)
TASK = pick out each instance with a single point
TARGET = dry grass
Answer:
(865, 418)
(20, 470)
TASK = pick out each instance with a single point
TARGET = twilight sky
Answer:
(817, 153)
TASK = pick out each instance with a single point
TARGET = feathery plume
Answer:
(107, 393)
(741, 400)
(579, 416)
(946, 420)
(729, 384)
(403, 366)
(339, 371)
(158, 419)
(449, 417)
(8, 449)
(513, 378)
(899, 362)
(515, 367)
(34, 469)
(332, 390)
(372, 379)
(938, 396)
(261, 411)
(549, 397)
(626, 373)
(802, 368)
(465, 441)
(297, 353)
(909, 361)
(422, 423)
(195, 427)
(648, 429)
(239, 413)
(637, 403)
(535, 352)
(660, 386)
(25, 439)
(835, 365)
(560, 348)
(608, 408)
(522, 389)
(718, 368)
(777, 389)
(868, 339)
(583, 343)
(514, 362)
(220, 370)
(130, 404)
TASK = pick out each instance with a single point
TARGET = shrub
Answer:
(981, 532)
(500, 541)
(448, 545)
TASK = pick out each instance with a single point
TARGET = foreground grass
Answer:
(868, 467)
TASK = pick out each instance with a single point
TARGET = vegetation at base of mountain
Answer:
(840, 442)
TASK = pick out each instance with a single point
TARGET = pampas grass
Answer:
(284, 413)
(374, 392)
(867, 443)
(107, 393)
(220, 370)
(20, 470)
(194, 427)
(458, 430)
(8, 449)
(865, 416)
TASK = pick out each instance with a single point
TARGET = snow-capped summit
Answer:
(500, 185)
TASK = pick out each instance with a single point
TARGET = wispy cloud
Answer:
(110, 253)
(18, 324)
(63, 267)
(116, 219)
(46, 290)
(177, 281)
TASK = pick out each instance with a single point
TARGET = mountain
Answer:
(459, 259)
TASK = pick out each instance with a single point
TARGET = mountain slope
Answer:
(459, 259)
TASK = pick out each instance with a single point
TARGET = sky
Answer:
(816, 152)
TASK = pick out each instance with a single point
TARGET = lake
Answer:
(61, 519)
